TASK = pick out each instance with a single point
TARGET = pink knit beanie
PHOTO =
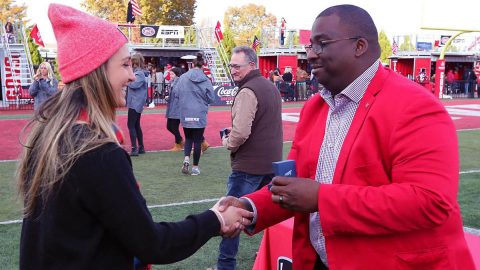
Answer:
(84, 42)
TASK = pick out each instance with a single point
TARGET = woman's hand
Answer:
(233, 218)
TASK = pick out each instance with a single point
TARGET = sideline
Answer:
(17, 221)
(167, 150)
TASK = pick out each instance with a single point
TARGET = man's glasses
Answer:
(318, 47)
(237, 67)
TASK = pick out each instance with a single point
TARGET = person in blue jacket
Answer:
(173, 111)
(44, 85)
(195, 93)
(136, 98)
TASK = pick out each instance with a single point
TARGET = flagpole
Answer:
(225, 60)
(128, 21)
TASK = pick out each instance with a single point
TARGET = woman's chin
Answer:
(121, 103)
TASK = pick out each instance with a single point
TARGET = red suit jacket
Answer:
(393, 200)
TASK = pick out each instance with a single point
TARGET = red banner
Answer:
(35, 35)
(218, 32)
(305, 37)
(12, 71)
(439, 77)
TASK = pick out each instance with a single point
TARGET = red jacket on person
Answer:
(393, 201)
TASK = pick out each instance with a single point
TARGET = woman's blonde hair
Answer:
(50, 74)
(57, 137)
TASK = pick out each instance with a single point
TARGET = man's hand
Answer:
(233, 218)
(296, 194)
(225, 202)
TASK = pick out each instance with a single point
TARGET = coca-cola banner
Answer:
(224, 95)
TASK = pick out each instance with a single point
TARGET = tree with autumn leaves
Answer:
(247, 21)
(158, 12)
(12, 12)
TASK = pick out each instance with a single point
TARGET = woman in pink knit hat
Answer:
(82, 206)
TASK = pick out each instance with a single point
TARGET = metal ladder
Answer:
(221, 75)
(20, 71)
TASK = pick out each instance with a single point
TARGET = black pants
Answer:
(173, 127)
(134, 128)
(193, 136)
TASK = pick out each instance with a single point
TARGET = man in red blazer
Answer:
(383, 156)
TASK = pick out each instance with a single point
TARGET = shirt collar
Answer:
(357, 88)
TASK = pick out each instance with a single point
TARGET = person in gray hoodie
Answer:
(136, 98)
(195, 93)
(173, 110)
(44, 85)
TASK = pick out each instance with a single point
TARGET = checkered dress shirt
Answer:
(340, 115)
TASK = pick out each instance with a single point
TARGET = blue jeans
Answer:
(239, 184)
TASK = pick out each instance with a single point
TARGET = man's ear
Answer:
(362, 46)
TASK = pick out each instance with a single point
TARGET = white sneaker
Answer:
(185, 167)
(195, 171)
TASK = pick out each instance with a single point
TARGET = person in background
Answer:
(82, 205)
(152, 85)
(44, 85)
(166, 73)
(206, 70)
(450, 80)
(9, 33)
(136, 97)
(195, 93)
(376, 159)
(173, 111)
(277, 79)
(302, 77)
(255, 139)
(270, 75)
(287, 78)
(477, 73)
(160, 81)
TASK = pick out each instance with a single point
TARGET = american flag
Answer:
(394, 47)
(136, 8)
(256, 43)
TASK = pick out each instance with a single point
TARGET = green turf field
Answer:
(162, 183)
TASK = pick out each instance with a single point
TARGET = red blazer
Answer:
(393, 201)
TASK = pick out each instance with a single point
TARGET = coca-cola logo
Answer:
(148, 31)
(226, 91)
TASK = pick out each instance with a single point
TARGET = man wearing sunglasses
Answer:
(255, 139)
(377, 163)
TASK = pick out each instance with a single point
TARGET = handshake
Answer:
(232, 215)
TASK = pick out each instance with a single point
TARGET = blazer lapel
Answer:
(365, 104)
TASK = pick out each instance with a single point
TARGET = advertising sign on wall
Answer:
(224, 95)
(444, 39)
(163, 31)
(148, 31)
(170, 31)
(12, 72)
(424, 46)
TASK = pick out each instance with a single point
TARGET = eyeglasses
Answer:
(320, 46)
(237, 67)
